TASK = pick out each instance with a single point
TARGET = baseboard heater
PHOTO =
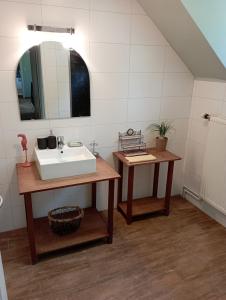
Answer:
(187, 191)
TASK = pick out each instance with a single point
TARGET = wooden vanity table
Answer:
(93, 226)
(134, 208)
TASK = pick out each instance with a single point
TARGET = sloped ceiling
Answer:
(182, 33)
(210, 16)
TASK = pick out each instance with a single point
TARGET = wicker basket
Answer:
(64, 220)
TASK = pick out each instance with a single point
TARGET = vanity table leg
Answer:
(130, 195)
(94, 194)
(111, 189)
(30, 226)
(120, 182)
(156, 180)
(169, 187)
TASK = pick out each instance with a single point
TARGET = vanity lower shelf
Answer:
(143, 206)
(93, 227)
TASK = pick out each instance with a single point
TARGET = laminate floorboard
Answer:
(179, 257)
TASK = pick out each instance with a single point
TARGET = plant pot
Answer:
(161, 143)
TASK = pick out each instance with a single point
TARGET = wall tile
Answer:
(11, 49)
(6, 195)
(143, 109)
(105, 112)
(68, 3)
(198, 131)
(192, 181)
(6, 220)
(72, 122)
(145, 32)
(18, 15)
(145, 85)
(147, 59)
(80, 195)
(180, 128)
(2, 144)
(174, 63)
(194, 157)
(8, 86)
(210, 89)
(223, 109)
(26, 1)
(202, 105)
(110, 27)
(14, 122)
(109, 85)
(119, 58)
(178, 85)
(77, 18)
(120, 6)
(19, 216)
(4, 165)
(85, 135)
(172, 108)
(109, 137)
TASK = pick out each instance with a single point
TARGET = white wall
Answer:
(208, 97)
(3, 292)
(136, 78)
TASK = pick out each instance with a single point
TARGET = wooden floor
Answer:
(182, 256)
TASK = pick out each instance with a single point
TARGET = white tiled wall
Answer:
(136, 78)
(208, 97)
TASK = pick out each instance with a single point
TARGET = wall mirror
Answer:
(52, 83)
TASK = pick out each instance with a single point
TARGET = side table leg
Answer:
(111, 189)
(130, 195)
(94, 193)
(30, 226)
(169, 187)
(156, 180)
(120, 182)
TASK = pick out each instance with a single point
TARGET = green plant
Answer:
(162, 128)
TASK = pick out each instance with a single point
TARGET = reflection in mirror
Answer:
(52, 82)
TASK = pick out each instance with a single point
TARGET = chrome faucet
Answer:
(60, 142)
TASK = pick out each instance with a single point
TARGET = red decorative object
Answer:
(24, 147)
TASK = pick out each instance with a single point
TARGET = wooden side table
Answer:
(93, 227)
(133, 208)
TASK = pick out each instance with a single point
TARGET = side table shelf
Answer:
(133, 208)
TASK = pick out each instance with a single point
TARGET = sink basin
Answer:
(57, 163)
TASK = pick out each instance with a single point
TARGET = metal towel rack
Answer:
(206, 116)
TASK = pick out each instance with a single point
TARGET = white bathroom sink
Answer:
(57, 163)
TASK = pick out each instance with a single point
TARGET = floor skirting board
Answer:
(206, 208)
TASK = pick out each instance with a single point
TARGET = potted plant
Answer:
(162, 128)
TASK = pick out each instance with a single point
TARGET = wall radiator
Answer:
(213, 185)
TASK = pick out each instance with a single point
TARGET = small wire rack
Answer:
(132, 142)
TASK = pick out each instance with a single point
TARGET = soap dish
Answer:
(75, 144)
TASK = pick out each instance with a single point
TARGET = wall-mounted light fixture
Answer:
(51, 29)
